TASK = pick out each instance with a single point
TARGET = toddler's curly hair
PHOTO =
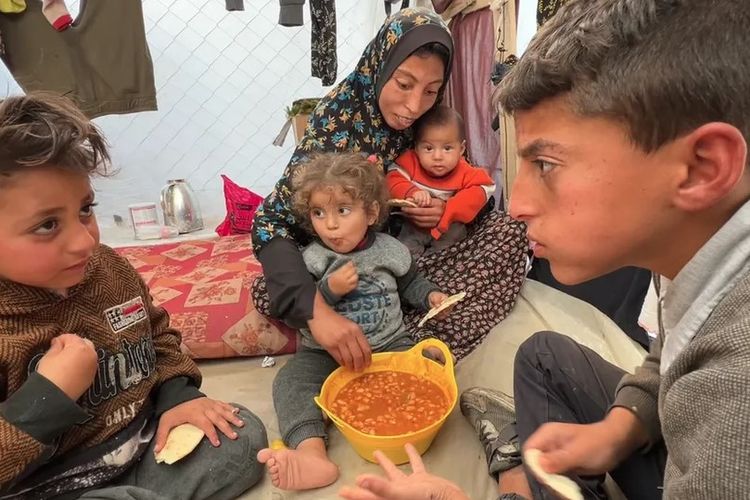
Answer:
(352, 172)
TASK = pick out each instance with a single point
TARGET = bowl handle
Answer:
(328, 412)
(417, 350)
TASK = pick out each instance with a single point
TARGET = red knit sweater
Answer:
(465, 190)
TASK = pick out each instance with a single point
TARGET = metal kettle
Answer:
(180, 206)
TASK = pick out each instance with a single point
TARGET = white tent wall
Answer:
(223, 80)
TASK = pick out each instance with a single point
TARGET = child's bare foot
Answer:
(305, 468)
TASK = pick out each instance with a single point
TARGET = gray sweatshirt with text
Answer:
(387, 275)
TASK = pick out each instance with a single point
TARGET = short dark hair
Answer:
(352, 172)
(660, 67)
(44, 129)
(439, 116)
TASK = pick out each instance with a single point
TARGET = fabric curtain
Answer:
(469, 89)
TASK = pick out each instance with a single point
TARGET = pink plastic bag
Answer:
(241, 206)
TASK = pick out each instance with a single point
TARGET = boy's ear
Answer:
(463, 147)
(716, 160)
(372, 213)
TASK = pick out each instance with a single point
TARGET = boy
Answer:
(91, 375)
(436, 169)
(632, 123)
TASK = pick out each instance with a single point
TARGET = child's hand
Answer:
(204, 413)
(344, 279)
(70, 363)
(397, 485)
(437, 298)
(422, 198)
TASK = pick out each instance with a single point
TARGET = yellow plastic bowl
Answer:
(413, 362)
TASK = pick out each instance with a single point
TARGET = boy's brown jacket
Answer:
(141, 374)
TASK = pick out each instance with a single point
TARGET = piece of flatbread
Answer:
(442, 307)
(561, 485)
(181, 441)
(398, 202)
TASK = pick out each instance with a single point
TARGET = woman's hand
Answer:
(340, 336)
(426, 217)
(397, 485)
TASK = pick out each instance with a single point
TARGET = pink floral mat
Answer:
(205, 288)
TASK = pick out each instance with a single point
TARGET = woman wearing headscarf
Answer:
(400, 76)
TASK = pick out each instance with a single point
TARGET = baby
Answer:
(436, 169)
(364, 275)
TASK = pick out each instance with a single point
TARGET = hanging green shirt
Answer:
(101, 61)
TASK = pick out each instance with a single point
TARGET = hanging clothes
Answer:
(57, 14)
(233, 5)
(469, 89)
(506, 20)
(324, 62)
(55, 11)
(101, 61)
(12, 6)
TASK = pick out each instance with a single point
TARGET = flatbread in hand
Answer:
(398, 202)
(181, 441)
(561, 485)
(442, 307)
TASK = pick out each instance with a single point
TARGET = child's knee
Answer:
(546, 349)
(240, 455)
(232, 468)
(253, 428)
(540, 342)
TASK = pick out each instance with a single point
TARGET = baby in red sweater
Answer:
(435, 168)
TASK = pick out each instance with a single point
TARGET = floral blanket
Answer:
(205, 288)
